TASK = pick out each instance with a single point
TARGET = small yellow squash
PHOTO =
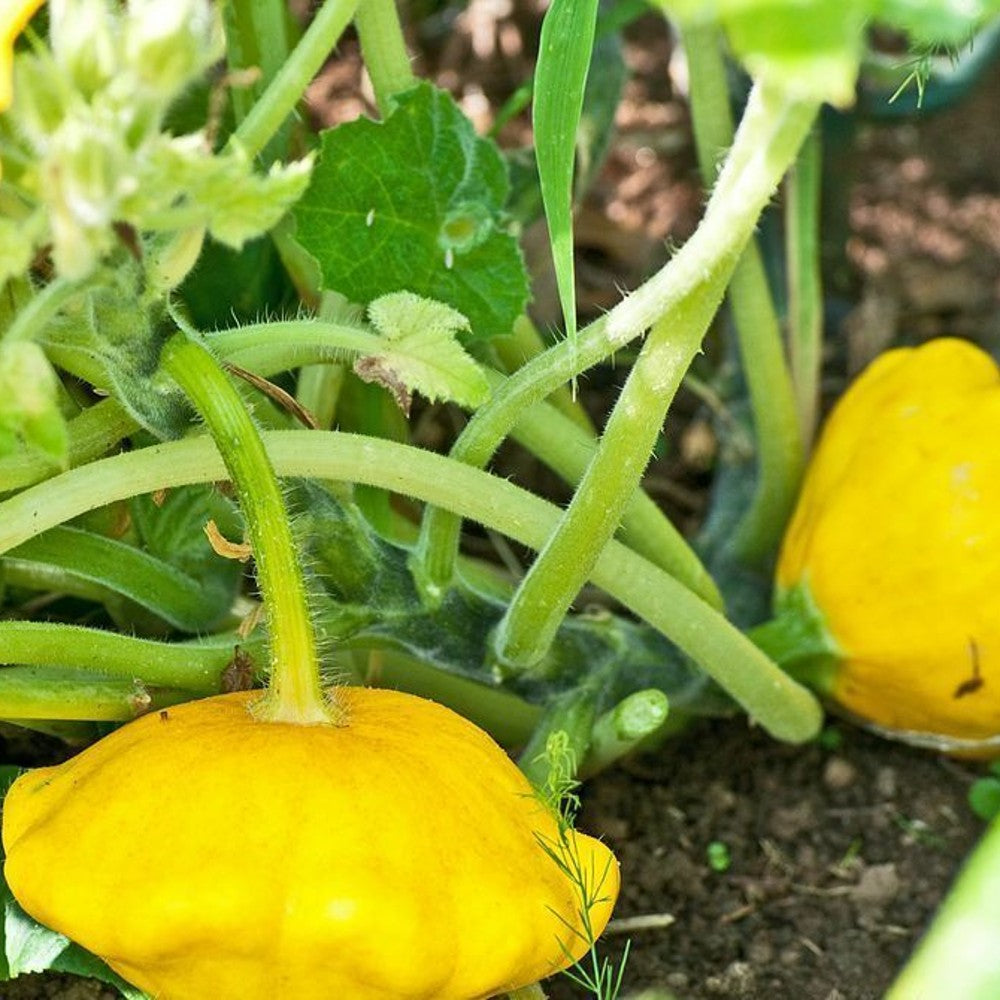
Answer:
(206, 855)
(895, 546)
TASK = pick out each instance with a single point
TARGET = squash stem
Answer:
(295, 691)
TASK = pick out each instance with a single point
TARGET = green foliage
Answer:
(29, 406)
(560, 77)
(421, 352)
(984, 794)
(415, 203)
(718, 856)
(93, 154)
(813, 48)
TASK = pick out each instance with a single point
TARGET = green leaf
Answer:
(415, 203)
(421, 352)
(29, 946)
(560, 77)
(29, 407)
(936, 22)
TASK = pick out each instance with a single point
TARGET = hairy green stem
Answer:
(295, 690)
(384, 50)
(805, 283)
(278, 101)
(785, 709)
(780, 452)
(769, 138)
(555, 438)
(714, 239)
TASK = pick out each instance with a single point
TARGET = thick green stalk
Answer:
(805, 282)
(295, 691)
(384, 50)
(268, 114)
(959, 957)
(92, 434)
(193, 667)
(722, 233)
(785, 709)
(769, 138)
(780, 453)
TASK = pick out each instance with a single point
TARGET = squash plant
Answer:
(173, 242)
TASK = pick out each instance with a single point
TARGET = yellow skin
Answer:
(14, 17)
(204, 854)
(897, 540)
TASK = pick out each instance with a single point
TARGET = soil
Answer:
(826, 861)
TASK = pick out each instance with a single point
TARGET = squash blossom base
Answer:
(896, 544)
(204, 854)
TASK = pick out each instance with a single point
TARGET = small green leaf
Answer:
(415, 203)
(984, 798)
(560, 77)
(421, 352)
(29, 946)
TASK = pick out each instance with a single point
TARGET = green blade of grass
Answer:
(560, 77)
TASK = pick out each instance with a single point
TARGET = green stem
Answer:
(257, 36)
(546, 432)
(782, 707)
(624, 729)
(384, 51)
(193, 667)
(958, 957)
(722, 233)
(780, 451)
(525, 343)
(295, 691)
(32, 318)
(48, 693)
(769, 138)
(805, 283)
(267, 116)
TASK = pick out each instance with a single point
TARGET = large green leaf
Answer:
(415, 203)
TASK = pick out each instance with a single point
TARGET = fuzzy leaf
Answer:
(415, 203)
(421, 352)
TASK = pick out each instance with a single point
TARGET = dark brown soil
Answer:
(838, 857)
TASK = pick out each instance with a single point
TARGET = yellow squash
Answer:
(209, 856)
(896, 545)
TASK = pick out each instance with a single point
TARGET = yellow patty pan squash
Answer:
(894, 547)
(206, 855)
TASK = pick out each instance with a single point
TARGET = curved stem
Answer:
(295, 691)
(784, 708)
(769, 138)
(805, 282)
(781, 456)
(384, 50)
(267, 116)
(715, 238)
